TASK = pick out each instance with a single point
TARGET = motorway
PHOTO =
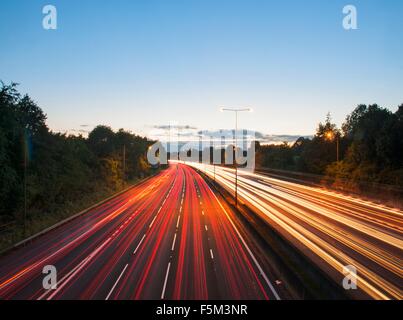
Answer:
(169, 237)
(333, 230)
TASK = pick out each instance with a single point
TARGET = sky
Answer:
(139, 64)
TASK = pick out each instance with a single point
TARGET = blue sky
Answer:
(135, 64)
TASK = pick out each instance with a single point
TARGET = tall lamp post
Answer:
(124, 163)
(236, 111)
(25, 184)
(330, 135)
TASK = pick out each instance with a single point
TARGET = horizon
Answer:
(181, 60)
(201, 151)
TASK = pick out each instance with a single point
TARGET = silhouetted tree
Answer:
(61, 169)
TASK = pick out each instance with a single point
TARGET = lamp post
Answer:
(25, 185)
(124, 163)
(235, 144)
(337, 148)
(330, 135)
(214, 170)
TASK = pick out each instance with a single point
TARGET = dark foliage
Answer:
(370, 149)
(60, 169)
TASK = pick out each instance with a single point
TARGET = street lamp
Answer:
(124, 163)
(330, 135)
(235, 110)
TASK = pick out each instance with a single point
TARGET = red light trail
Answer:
(170, 237)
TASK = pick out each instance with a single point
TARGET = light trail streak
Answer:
(339, 229)
(121, 249)
(114, 286)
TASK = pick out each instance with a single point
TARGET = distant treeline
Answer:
(61, 172)
(370, 144)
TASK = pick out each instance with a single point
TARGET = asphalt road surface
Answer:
(169, 237)
(334, 230)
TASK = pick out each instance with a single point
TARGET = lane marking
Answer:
(165, 281)
(247, 248)
(173, 243)
(138, 246)
(151, 224)
(107, 218)
(166, 197)
(64, 277)
(120, 276)
(177, 223)
(205, 226)
(211, 254)
(77, 269)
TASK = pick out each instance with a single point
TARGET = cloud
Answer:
(191, 133)
(256, 135)
(278, 138)
(79, 130)
(173, 126)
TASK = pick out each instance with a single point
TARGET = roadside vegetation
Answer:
(55, 175)
(370, 152)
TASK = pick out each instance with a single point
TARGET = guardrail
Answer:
(42, 232)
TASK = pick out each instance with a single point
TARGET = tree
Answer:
(102, 141)
(327, 130)
(63, 170)
(375, 143)
(30, 115)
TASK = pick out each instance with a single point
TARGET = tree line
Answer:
(48, 173)
(367, 149)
